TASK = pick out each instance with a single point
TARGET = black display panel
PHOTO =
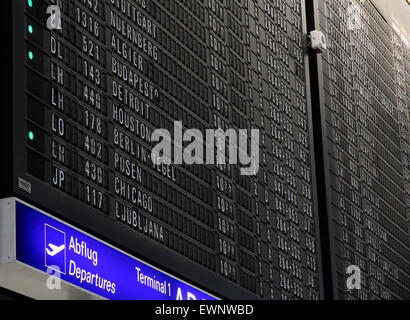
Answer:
(362, 90)
(87, 98)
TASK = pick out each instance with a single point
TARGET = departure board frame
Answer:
(366, 242)
(63, 206)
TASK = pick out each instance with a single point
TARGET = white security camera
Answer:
(318, 41)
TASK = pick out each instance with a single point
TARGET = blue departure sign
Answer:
(48, 244)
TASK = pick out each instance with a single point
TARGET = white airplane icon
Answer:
(55, 250)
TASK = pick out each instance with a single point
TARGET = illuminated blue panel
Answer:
(49, 244)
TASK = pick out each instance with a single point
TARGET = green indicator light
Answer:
(31, 135)
(30, 3)
(30, 29)
(31, 55)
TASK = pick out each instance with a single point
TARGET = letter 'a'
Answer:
(353, 280)
(54, 21)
